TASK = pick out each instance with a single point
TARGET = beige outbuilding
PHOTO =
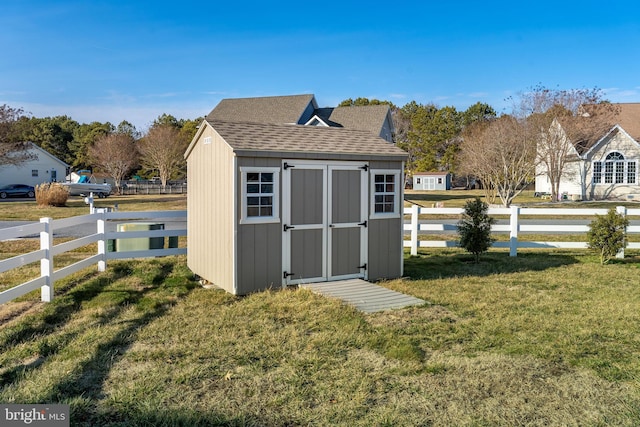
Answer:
(282, 193)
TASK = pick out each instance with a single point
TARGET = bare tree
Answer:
(568, 122)
(162, 149)
(116, 154)
(501, 153)
(12, 151)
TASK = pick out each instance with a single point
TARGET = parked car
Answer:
(17, 190)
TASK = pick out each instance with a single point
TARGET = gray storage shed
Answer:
(271, 205)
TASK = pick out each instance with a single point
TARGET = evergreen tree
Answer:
(474, 228)
(607, 234)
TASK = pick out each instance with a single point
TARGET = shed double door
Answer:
(324, 234)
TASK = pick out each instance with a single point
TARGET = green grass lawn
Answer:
(547, 338)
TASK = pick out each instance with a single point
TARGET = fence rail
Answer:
(45, 255)
(514, 213)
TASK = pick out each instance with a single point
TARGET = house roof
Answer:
(267, 109)
(367, 117)
(628, 117)
(280, 140)
(294, 109)
(625, 115)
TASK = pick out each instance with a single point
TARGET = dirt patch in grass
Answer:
(401, 319)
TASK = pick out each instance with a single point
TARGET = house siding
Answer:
(45, 164)
(209, 211)
(625, 145)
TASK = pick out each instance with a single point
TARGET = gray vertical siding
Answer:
(385, 247)
(259, 264)
(259, 246)
(385, 237)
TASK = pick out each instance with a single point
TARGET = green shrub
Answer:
(51, 194)
(474, 228)
(607, 234)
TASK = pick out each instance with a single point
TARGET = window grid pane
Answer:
(619, 168)
(260, 187)
(385, 193)
(597, 172)
(608, 173)
(631, 173)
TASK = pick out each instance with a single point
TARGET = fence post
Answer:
(102, 242)
(513, 235)
(415, 212)
(621, 210)
(46, 263)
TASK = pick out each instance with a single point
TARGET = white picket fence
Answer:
(45, 255)
(513, 228)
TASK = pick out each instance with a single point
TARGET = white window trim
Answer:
(602, 173)
(372, 185)
(244, 219)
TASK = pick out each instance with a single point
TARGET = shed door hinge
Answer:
(365, 167)
(363, 266)
(287, 166)
(364, 224)
(285, 275)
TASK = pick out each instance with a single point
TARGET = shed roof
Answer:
(267, 109)
(277, 140)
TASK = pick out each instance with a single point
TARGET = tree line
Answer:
(503, 152)
(119, 150)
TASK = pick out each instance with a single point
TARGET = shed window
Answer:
(385, 193)
(34, 172)
(260, 195)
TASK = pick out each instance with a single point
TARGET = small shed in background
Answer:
(278, 196)
(432, 181)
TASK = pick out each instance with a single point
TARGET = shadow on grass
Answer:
(446, 264)
(139, 416)
(427, 197)
(120, 309)
(58, 312)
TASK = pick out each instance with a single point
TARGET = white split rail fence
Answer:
(45, 255)
(513, 228)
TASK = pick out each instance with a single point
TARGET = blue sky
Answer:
(134, 60)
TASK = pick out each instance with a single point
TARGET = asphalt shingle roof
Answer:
(369, 117)
(268, 109)
(257, 138)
